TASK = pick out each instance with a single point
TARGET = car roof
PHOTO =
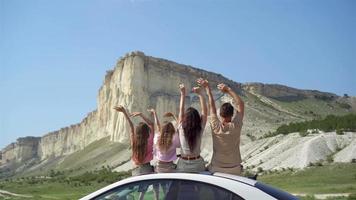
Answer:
(236, 178)
(217, 178)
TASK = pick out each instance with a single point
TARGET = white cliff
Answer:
(139, 82)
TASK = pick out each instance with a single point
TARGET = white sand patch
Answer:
(295, 151)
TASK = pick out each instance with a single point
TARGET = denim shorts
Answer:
(162, 167)
(146, 168)
(191, 166)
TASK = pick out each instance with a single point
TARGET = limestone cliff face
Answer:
(21, 150)
(137, 82)
(285, 93)
(140, 82)
(70, 139)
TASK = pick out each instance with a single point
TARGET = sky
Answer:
(54, 54)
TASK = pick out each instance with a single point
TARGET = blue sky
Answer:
(54, 54)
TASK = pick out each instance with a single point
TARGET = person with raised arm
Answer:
(190, 129)
(225, 132)
(166, 141)
(141, 139)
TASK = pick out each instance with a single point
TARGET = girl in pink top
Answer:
(141, 138)
(166, 141)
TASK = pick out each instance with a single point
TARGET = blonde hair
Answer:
(165, 140)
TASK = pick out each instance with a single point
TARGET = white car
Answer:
(172, 186)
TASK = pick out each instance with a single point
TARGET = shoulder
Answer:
(237, 120)
(213, 118)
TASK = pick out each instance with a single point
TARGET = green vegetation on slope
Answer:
(59, 185)
(314, 108)
(333, 178)
(99, 153)
(95, 154)
(330, 123)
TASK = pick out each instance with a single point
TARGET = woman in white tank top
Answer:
(190, 129)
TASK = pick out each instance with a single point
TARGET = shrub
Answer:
(352, 196)
(329, 158)
(303, 133)
(260, 170)
(339, 132)
(329, 123)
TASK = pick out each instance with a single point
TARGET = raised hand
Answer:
(151, 110)
(196, 90)
(223, 88)
(168, 114)
(202, 82)
(120, 108)
(135, 114)
(182, 88)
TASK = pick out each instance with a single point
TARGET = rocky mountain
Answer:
(139, 82)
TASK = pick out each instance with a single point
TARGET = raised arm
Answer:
(240, 104)
(204, 109)
(181, 104)
(148, 121)
(205, 84)
(158, 125)
(170, 114)
(122, 109)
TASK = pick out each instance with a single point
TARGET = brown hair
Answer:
(226, 110)
(191, 124)
(139, 143)
(165, 140)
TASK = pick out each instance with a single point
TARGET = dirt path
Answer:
(7, 193)
(325, 196)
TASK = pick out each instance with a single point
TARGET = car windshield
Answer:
(167, 190)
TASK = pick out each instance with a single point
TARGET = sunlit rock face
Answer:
(139, 82)
(23, 149)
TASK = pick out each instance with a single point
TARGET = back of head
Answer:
(191, 124)
(226, 110)
(165, 140)
(139, 143)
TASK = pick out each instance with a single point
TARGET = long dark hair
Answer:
(191, 124)
(139, 143)
(165, 140)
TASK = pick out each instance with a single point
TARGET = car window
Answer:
(168, 190)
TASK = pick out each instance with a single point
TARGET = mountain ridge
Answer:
(140, 77)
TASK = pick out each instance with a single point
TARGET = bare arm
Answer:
(204, 109)
(158, 125)
(181, 104)
(240, 104)
(170, 114)
(205, 84)
(148, 121)
(122, 109)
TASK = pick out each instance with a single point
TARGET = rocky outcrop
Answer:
(295, 151)
(21, 150)
(139, 82)
(285, 93)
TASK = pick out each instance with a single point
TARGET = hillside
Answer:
(138, 81)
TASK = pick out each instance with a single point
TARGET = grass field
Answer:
(49, 190)
(328, 179)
